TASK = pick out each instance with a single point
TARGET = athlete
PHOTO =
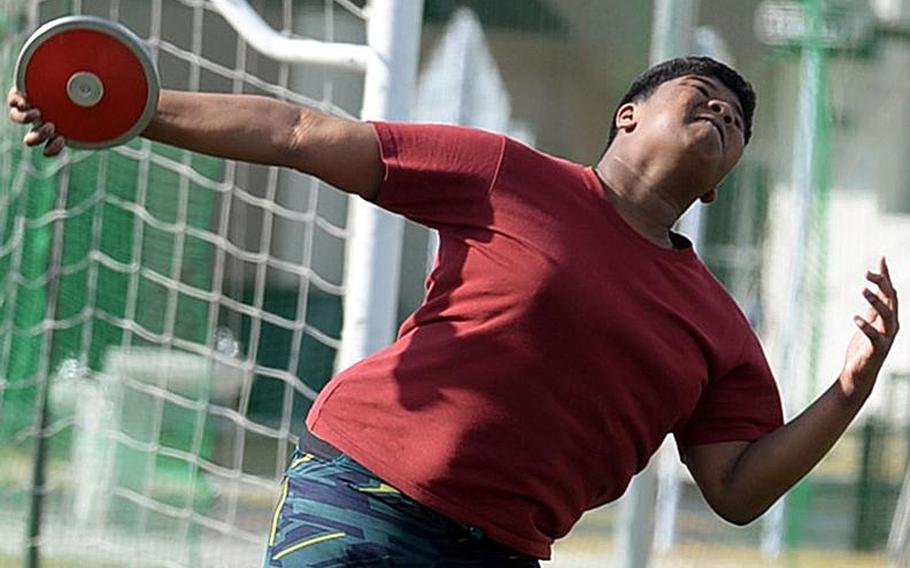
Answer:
(565, 332)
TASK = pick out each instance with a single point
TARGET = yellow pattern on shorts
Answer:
(307, 543)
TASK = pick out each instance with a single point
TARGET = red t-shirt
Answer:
(555, 350)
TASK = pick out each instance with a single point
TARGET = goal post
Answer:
(374, 249)
(183, 311)
(389, 61)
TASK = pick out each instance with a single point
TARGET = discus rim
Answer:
(117, 31)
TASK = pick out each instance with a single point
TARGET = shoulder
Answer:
(536, 167)
(407, 133)
(731, 328)
(397, 134)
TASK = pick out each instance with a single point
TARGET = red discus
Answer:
(91, 77)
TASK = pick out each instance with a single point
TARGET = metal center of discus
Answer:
(85, 89)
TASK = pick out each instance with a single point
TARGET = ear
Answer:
(627, 118)
(709, 197)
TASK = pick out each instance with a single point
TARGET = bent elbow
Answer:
(291, 138)
(738, 518)
(740, 514)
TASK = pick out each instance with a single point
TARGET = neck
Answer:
(645, 195)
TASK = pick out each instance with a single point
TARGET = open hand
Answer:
(870, 345)
(45, 133)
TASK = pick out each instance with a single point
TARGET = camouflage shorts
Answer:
(333, 513)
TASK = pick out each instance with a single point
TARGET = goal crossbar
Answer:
(263, 38)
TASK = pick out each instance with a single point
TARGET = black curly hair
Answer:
(646, 83)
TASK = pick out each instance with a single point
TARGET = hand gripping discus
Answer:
(91, 77)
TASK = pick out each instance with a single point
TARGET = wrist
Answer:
(852, 390)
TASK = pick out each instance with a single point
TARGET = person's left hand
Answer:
(870, 345)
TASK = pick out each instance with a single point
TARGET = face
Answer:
(694, 122)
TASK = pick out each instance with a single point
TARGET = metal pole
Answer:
(262, 37)
(38, 487)
(807, 178)
(672, 29)
(672, 33)
(673, 36)
(819, 181)
(374, 247)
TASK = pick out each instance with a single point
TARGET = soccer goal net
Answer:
(166, 318)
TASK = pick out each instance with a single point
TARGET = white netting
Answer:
(183, 311)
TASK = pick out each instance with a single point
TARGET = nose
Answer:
(723, 108)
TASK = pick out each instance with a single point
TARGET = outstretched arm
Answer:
(253, 129)
(740, 480)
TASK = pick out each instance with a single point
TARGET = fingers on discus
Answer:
(20, 116)
(55, 146)
(16, 99)
(41, 134)
(19, 110)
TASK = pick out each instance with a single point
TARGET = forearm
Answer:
(767, 468)
(239, 127)
(740, 480)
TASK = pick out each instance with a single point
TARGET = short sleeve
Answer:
(438, 175)
(741, 405)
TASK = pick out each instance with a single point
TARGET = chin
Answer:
(702, 171)
(709, 151)
(709, 166)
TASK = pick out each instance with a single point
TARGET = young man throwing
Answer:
(566, 330)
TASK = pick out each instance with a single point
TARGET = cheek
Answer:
(671, 118)
(735, 155)
(729, 164)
